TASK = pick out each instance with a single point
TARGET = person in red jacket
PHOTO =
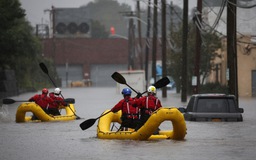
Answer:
(58, 101)
(42, 100)
(130, 114)
(147, 104)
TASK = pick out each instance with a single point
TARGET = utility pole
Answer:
(164, 89)
(131, 44)
(147, 43)
(198, 19)
(232, 48)
(184, 52)
(139, 35)
(171, 20)
(154, 50)
(131, 40)
(52, 18)
(53, 21)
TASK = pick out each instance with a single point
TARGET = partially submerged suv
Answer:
(212, 107)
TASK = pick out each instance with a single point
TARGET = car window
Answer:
(212, 105)
(190, 104)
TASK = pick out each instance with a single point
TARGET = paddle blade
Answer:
(162, 82)
(69, 100)
(8, 101)
(87, 124)
(118, 78)
(43, 67)
(11, 101)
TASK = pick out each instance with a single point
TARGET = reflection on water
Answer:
(4, 114)
(65, 140)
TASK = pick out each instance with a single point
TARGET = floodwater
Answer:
(65, 140)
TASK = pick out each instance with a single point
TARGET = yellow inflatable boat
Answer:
(42, 116)
(178, 131)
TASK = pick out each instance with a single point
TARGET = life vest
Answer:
(42, 101)
(53, 104)
(56, 101)
(129, 111)
(150, 105)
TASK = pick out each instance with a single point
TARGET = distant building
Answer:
(78, 59)
(246, 47)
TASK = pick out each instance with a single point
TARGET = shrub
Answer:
(214, 88)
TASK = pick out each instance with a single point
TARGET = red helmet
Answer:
(45, 91)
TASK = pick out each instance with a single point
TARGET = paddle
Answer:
(11, 101)
(120, 79)
(159, 84)
(89, 122)
(45, 70)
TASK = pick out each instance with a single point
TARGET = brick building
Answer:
(79, 59)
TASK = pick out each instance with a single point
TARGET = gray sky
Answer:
(35, 8)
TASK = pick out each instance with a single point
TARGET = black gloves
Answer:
(139, 95)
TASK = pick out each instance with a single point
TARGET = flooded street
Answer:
(65, 140)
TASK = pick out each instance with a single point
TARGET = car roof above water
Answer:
(217, 95)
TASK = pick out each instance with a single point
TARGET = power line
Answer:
(242, 6)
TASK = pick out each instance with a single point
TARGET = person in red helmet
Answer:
(130, 114)
(43, 100)
(147, 104)
(58, 101)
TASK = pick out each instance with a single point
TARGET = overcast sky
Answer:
(35, 8)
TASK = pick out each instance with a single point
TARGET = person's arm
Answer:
(159, 105)
(62, 102)
(136, 102)
(32, 99)
(117, 107)
(50, 100)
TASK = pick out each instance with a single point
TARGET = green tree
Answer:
(98, 30)
(108, 13)
(20, 49)
(210, 43)
(10, 16)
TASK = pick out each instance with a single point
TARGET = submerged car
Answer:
(172, 84)
(212, 107)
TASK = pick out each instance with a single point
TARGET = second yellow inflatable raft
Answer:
(41, 115)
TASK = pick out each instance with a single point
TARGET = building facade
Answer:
(246, 66)
(78, 59)
(246, 45)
